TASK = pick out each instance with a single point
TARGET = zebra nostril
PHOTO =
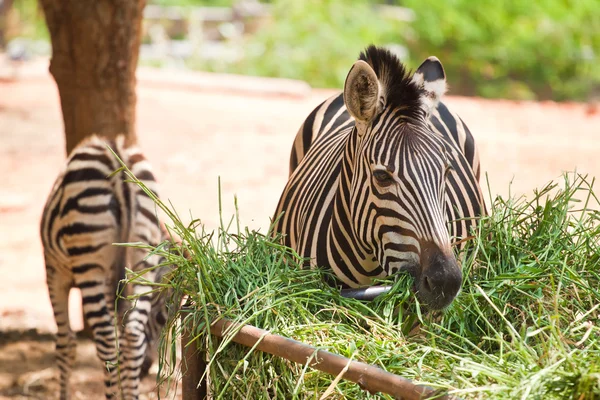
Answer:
(426, 284)
(438, 286)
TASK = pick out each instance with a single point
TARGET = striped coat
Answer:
(87, 211)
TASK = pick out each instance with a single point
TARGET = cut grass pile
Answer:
(525, 325)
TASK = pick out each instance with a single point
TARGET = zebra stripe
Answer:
(383, 178)
(86, 212)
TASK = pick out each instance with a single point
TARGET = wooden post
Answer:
(193, 366)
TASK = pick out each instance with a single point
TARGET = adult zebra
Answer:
(86, 212)
(376, 174)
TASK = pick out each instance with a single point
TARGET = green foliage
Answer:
(547, 49)
(512, 48)
(312, 40)
(29, 19)
(524, 326)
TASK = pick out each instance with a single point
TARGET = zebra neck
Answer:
(350, 257)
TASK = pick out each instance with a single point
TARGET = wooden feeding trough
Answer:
(370, 378)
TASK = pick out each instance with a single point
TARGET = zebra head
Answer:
(399, 172)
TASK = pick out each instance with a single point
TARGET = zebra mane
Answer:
(398, 88)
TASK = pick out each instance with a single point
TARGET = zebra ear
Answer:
(430, 77)
(361, 91)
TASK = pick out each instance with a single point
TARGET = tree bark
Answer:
(95, 48)
(5, 6)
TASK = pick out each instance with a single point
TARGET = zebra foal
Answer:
(383, 178)
(86, 212)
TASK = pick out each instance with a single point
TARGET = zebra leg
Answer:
(65, 338)
(100, 318)
(135, 344)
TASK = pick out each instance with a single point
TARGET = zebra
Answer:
(384, 178)
(87, 210)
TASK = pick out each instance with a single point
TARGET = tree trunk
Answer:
(95, 48)
(5, 6)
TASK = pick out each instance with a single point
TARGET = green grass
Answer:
(525, 325)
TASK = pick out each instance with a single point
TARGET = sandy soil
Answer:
(196, 129)
(27, 370)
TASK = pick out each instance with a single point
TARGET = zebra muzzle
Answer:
(440, 278)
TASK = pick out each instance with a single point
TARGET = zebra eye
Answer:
(383, 178)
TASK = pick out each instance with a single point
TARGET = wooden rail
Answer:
(368, 377)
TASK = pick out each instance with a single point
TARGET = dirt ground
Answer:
(195, 128)
(27, 370)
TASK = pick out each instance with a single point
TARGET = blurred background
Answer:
(495, 49)
(224, 85)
